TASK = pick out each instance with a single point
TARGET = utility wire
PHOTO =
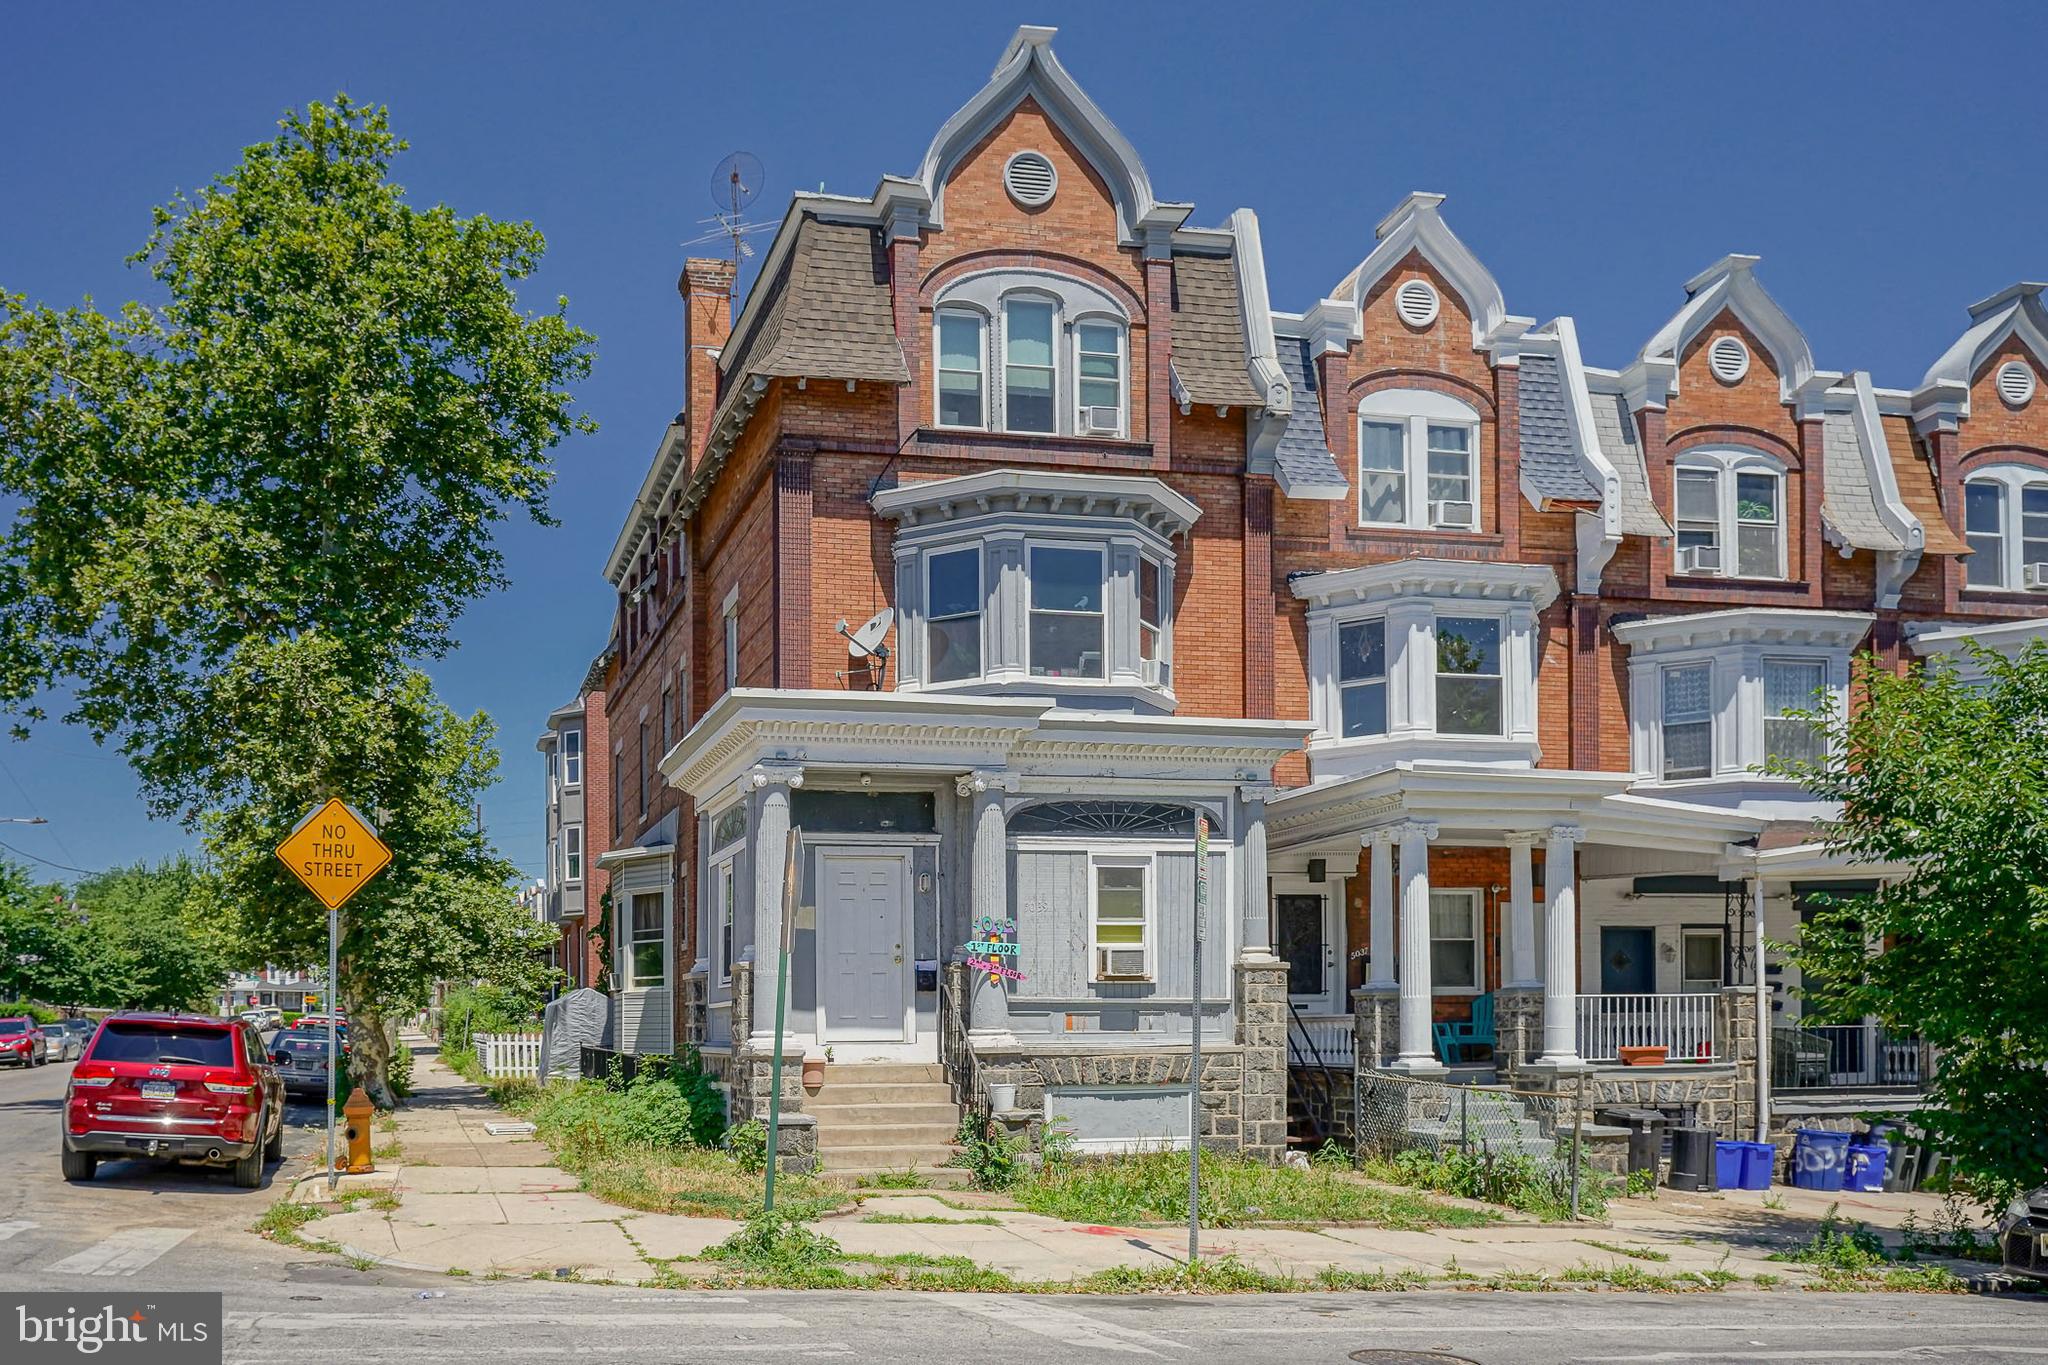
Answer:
(34, 809)
(81, 871)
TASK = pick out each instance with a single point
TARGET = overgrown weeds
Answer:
(1509, 1179)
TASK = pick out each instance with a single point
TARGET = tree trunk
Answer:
(370, 1044)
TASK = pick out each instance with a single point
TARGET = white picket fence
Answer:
(508, 1054)
(1684, 1024)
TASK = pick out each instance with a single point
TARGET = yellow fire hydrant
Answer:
(358, 1111)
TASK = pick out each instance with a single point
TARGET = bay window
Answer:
(1154, 593)
(1794, 685)
(1468, 676)
(1066, 612)
(572, 758)
(962, 384)
(1028, 371)
(1417, 461)
(1362, 678)
(1729, 514)
(2005, 520)
(953, 615)
(1688, 721)
(572, 853)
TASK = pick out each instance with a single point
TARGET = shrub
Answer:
(748, 1144)
(400, 1073)
(42, 1014)
(994, 1161)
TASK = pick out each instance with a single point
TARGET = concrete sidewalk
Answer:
(470, 1202)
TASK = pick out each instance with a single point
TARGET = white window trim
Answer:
(730, 615)
(1051, 302)
(980, 554)
(1099, 859)
(1416, 411)
(1504, 626)
(1737, 703)
(575, 829)
(622, 907)
(724, 876)
(1478, 904)
(1823, 693)
(1686, 931)
(2011, 480)
(1384, 679)
(1100, 550)
(572, 760)
(985, 329)
(1123, 373)
(1162, 674)
(1726, 465)
(1713, 719)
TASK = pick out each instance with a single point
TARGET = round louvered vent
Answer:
(2016, 382)
(1417, 303)
(1030, 179)
(1728, 358)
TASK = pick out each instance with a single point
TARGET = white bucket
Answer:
(1002, 1098)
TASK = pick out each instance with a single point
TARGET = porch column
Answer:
(1379, 976)
(1255, 937)
(988, 1009)
(771, 783)
(1416, 1053)
(1521, 912)
(1560, 981)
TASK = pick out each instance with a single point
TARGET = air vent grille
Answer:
(2016, 382)
(1030, 179)
(1417, 303)
(1728, 358)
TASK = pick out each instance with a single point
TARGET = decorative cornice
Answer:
(1257, 792)
(1459, 579)
(1138, 498)
(1417, 224)
(1746, 625)
(1730, 284)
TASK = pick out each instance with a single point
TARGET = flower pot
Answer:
(1643, 1056)
(814, 1072)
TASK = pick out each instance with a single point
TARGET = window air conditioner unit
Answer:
(1102, 421)
(1454, 513)
(2037, 576)
(1120, 964)
(1700, 559)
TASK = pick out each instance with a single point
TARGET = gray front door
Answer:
(862, 928)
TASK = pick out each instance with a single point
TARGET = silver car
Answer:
(62, 1043)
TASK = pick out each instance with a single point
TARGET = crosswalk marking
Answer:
(1067, 1327)
(124, 1253)
(14, 1227)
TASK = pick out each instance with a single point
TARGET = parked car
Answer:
(264, 1017)
(61, 1044)
(22, 1043)
(300, 1055)
(179, 1087)
(2023, 1235)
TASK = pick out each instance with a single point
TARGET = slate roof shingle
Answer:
(1848, 503)
(1635, 513)
(1209, 353)
(1303, 455)
(1550, 457)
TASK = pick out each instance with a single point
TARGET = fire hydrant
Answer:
(358, 1111)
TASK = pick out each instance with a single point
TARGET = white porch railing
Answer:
(505, 1055)
(1681, 1024)
(1331, 1037)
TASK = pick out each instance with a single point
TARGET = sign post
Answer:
(792, 879)
(333, 851)
(1195, 1045)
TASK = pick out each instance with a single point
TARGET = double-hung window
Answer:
(1688, 721)
(1417, 461)
(1984, 527)
(572, 758)
(1122, 920)
(1362, 678)
(962, 385)
(1154, 592)
(1383, 473)
(1028, 370)
(1758, 517)
(572, 853)
(728, 901)
(668, 719)
(1066, 612)
(1451, 500)
(1794, 685)
(1468, 675)
(953, 615)
(1099, 373)
(2005, 518)
(646, 769)
(647, 958)
(1454, 963)
(1730, 519)
(1699, 521)
(732, 639)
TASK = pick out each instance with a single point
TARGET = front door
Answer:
(863, 932)
(1627, 961)
(1301, 937)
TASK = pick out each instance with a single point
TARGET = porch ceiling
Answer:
(1471, 801)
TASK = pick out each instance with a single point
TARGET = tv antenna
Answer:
(735, 183)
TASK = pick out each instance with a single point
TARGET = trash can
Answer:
(1758, 1161)
(1728, 1164)
(1866, 1167)
(1694, 1165)
(1819, 1159)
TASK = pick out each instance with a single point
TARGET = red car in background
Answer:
(180, 1087)
(22, 1042)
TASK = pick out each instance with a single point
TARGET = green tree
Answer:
(156, 949)
(1948, 777)
(281, 476)
(44, 955)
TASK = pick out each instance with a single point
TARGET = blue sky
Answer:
(1887, 164)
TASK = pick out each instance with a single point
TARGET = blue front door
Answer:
(1626, 966)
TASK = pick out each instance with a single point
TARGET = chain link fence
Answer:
(1483, 1141)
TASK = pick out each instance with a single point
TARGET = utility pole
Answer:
(1195, 1045)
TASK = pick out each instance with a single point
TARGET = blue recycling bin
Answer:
(1866, 1167)
(1728, 1164)
(1820, 1159)
(1758, 1159)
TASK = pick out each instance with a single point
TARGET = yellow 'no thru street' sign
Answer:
(334, 851)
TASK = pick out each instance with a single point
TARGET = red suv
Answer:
(186, 1087)
(22, 1042)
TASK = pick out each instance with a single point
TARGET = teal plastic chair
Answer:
(1447, 1045)
(1466, 1034)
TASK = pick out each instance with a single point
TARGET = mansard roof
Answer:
(1553, 456)
(1303, 464)
(1209, 347)
(1635, 512)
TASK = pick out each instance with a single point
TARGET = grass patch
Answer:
(1638, 1280)
(982, 1219)
(390, 1151)
(1620, 1249)
(281, 1221)
(1898, 1279)
(1509, 1179)
(890, 1180)
(384, 1201)
(1236, 1191)
(456, 1272)
(703, 1183)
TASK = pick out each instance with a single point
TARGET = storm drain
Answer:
(1376, 1357)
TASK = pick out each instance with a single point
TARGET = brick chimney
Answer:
(706, 287)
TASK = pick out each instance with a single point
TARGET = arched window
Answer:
(1729, 510)
(1032, 352)
(2005, 519)
(1418, 461)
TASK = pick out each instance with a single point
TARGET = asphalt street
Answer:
(146, 1228)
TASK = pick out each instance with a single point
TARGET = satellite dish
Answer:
(867, 641)
(735, 181)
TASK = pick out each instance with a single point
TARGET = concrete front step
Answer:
(883, 1073)
(887, 1135)
(949, 1176)
(848, 1095)
(920, 1158)
(831, 1115)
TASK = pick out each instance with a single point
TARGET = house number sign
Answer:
(995, 942)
